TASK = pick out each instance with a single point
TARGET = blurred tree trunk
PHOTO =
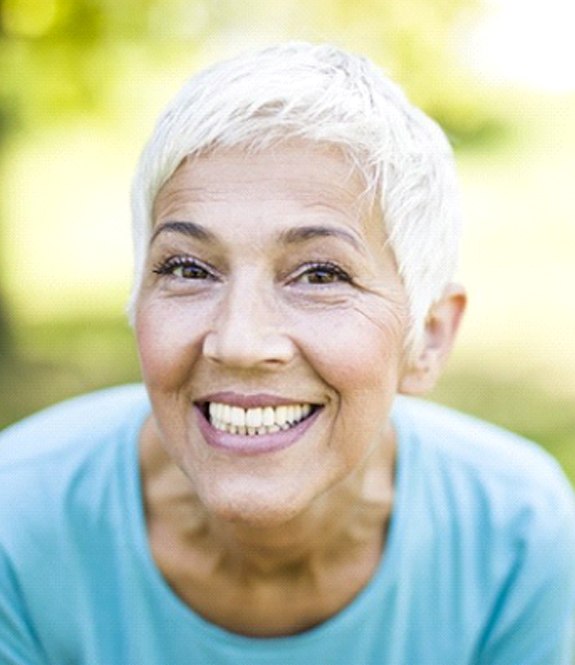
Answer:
(6, 346)
(6, 340)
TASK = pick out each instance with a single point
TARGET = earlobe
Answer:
(422, 372)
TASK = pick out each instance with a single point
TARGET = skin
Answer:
(288, 289)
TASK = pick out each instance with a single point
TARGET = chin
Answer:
(252, 506)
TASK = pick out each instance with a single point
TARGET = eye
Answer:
(322, 273)
(184, 268)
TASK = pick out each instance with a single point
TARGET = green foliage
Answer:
(62, 56)
(417, 42)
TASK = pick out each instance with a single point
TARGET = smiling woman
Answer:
(282, 291)
(275, 494)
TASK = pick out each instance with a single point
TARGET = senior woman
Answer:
(268, 498)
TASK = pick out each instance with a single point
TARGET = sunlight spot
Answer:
(527, 42)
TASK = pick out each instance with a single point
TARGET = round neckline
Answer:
(190, 619)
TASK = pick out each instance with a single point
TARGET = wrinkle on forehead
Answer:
(241, 164)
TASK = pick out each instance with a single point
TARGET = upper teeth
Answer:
(266, 420)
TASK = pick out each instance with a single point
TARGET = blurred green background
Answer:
(81, 82)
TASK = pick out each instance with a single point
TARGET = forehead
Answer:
(295, 174)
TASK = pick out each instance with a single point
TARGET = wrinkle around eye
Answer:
(312, 296)
(389, 312)
(395, 319)
(384, 306)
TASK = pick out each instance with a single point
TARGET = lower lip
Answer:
(260, 444)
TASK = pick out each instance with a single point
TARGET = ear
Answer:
(420, 374)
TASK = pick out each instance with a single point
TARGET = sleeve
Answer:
(18, 645)
(533, 618)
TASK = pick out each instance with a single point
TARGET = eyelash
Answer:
(168, 267)
(332, 271)
(328, 268)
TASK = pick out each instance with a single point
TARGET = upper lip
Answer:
(250, 401)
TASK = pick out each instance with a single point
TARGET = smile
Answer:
(256, 424)
(259, 420)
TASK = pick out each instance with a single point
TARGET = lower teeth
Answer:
(251, 431)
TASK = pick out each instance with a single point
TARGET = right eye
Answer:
(183, 268)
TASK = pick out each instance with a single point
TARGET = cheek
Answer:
(168, 344)
(355, 350)
(360, 359)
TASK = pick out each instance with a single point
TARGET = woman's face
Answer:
(270, 326)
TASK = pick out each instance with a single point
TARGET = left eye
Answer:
(323, 273)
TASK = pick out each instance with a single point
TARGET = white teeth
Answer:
(281, 415)
(266, 420)
(238, 416)
(268, 416)
(254, 418)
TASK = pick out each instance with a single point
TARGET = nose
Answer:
(247, 331)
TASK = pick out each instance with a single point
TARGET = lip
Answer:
(246, 445)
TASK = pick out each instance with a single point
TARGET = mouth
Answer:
(256, 421)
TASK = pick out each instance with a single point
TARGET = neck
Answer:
(342, 522)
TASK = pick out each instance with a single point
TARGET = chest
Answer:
(298, 597)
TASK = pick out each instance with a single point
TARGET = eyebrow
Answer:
(298, 235)
(190, 229)
(303, 234)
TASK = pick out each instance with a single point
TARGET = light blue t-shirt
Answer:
(479, 566)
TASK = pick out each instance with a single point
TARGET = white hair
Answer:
(321, 94)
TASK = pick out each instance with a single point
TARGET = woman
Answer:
(269, 498)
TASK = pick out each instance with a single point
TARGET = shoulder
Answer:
(469, 463)
(46, 458)
(69, 426)
(64, 473)
(497, 511)
(471, 445)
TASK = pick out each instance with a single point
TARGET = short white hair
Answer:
(325, 95)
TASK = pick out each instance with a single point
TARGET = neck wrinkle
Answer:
(347, 518)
